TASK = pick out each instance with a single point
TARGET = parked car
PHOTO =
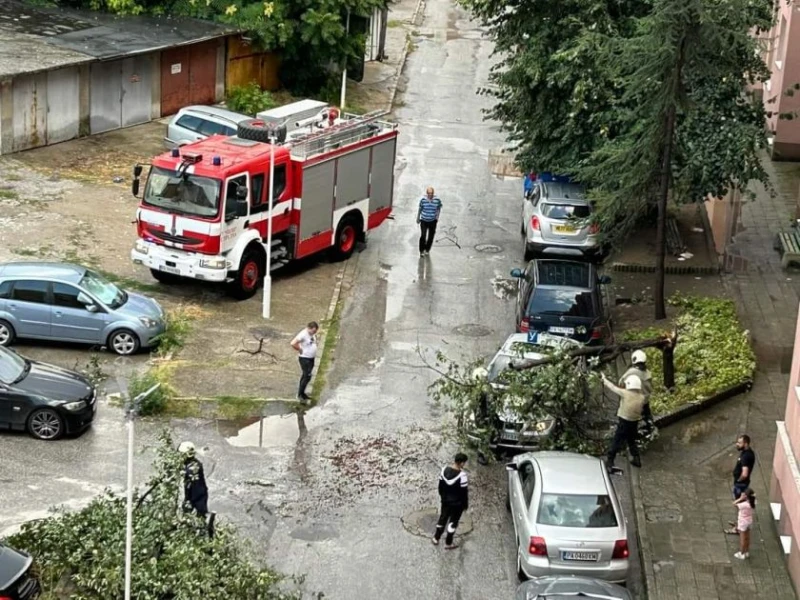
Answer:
(563, 297)
(18, 581)
(193, 123)
(568, 587)
(556, 219)
(567, 518)
(42, 399)
(514, 434)
(66, 302)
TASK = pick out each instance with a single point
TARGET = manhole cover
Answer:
(489, 248)
(423, 523)
(472, 330)
(315, 532)
(663, 515)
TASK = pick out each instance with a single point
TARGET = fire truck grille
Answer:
(175, 239)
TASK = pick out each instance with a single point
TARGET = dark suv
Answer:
(18, 581)
(563, 297)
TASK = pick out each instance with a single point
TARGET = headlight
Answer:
(142, 247)
(538, 428)
(75, 406)
(213, 263)
(148, 322)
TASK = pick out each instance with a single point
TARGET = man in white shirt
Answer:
(305, 343)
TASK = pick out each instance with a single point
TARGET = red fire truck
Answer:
(205, 207)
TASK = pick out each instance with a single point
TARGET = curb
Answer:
(683, 412)
(419, 10)
(669, 270)
(639, 517)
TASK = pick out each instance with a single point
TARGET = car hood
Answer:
(141, 306)
(569, 585)
(12, 564)
(55, 383)
(508, 415)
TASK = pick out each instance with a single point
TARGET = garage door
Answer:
(63, 105)
(29, 94)
(137, 90)
(121, 93)
(188, 76)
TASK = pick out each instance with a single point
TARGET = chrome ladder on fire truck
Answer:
(354, 129)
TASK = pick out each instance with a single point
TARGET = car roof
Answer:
(570, 473)
(564, 273)
(544, 339)
(43, 270)
(567, 586)
(215, 111)
(555, 191)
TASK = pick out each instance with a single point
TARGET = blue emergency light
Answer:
(175, 153)
(216, 161)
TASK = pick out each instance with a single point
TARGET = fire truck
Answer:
(205, 208)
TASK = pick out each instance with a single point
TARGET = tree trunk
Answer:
(668, 354)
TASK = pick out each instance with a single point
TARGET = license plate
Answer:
(167, 269)
(579, 556)
(565, 229)
(510, 435)
(562, 330)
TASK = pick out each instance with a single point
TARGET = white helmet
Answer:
(186, 448)
(633, 383)
(638, 357)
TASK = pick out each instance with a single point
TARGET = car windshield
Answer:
(102, 289)
(518, 352)
(186, 194)
(574, 510)
(567, 302)
(566, 211)
(12, 366)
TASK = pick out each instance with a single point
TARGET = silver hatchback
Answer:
(194, 123)
(70, 303)
(567, 519)
(556, 219)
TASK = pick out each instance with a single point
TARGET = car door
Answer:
(521, 493)
(75, 316)
(30, 307)
(233, 225)
(525, 285)
(187, 129)
(529, 207)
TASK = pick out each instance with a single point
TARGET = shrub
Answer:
(156, 402)
(249, 99)
(179, 325)
(713, 352)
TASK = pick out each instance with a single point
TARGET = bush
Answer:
(249, 99)
(82, 553)
(156, 402)
(179, 325)
(713, 352)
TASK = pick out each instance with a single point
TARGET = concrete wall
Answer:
(782, 54)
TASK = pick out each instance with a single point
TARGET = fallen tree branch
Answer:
(260, 349)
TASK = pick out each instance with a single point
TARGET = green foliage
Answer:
(178, 326)
(156, 402)
(566, 392)
(173, 557)
(249, 99)
(713, 353)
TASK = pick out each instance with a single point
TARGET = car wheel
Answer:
(249, 275)
(162, 277)
(46, 424)
(123, 342)
(520, 573)
(345, 240)
(7, 333)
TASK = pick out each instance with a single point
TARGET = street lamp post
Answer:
(267, 300)
(344, 72)
(130, 414)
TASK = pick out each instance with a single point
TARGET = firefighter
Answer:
(631, 403)
(194, 486)
(638, 368)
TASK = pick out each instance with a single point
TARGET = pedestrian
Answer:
(742, 472)
(454, 494)
(631, 403)
(639, 369)
(194, 486)
(427, 217)
(746, 503)
(305, 343)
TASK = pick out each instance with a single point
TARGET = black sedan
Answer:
(567, 587)
(17, 578)
(563, 297)
(45, 400)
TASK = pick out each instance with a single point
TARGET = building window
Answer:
(780, 51)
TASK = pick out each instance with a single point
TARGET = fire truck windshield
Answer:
(184, 194)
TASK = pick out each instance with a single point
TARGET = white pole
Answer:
(267, 301)
(344, 73)
(131, 414)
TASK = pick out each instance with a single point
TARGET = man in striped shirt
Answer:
(427, 216)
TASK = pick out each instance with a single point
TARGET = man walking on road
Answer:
(631, 403)
(305, 343)
(427, 217)
(455, 500)
(742, 472)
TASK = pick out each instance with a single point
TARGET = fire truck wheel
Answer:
(7, 333)
(123, 342)
(346, 238)
(251, 270)
(163, 277)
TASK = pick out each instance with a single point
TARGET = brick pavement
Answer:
(682, 493)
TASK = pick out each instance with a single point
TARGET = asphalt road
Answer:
(340, 494)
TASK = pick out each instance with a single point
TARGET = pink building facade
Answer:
(782, 55)
(785, 484)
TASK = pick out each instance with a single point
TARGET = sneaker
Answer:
(741, 555)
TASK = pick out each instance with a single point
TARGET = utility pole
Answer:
(344, 72)
(267, 299)
(130, 414)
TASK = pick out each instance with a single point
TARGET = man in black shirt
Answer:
(454, 492)
(742, 472)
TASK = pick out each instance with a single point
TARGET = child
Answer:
(746, 502)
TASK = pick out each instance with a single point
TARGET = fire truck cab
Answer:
(205, 210)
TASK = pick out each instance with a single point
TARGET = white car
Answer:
(567, 518)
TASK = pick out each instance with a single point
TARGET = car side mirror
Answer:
(92, 308)
(604, 279)
(137, 171)
(512, 467)
(241, 207)
(241, 193)
(516, 273)
(135, 188)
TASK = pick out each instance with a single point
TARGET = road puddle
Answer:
(267, 432)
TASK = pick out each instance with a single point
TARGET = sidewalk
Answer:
(683, 491)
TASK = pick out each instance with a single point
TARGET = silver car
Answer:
(556, 220)
(194, 123)
(567, 519)
(70, 303)
(568, 587)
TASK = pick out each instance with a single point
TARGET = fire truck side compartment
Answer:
(352, 185)
(316, 214)
(382, 176)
